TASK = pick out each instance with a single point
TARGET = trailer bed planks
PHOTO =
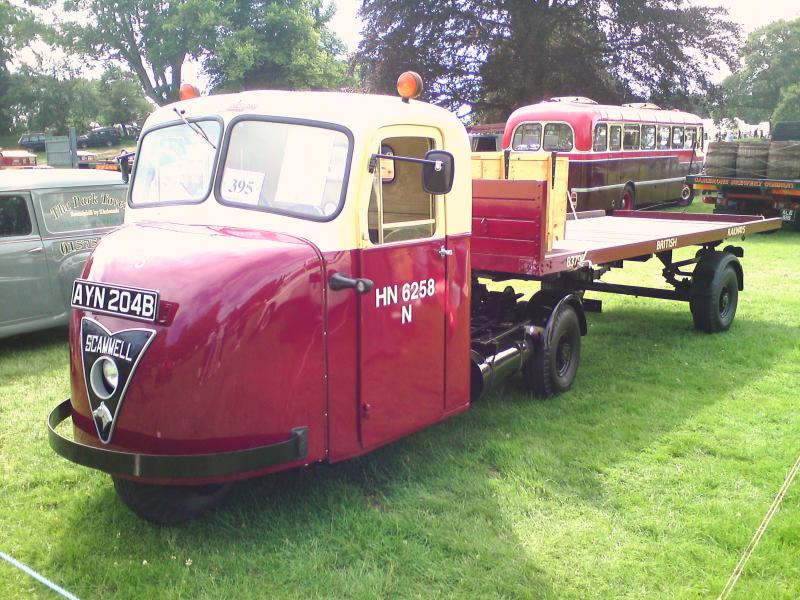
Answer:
(508, 226)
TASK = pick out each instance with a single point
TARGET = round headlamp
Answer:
(104, 377)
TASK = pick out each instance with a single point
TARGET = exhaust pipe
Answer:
(487, 370)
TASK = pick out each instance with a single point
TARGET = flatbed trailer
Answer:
(739, 195)
(266, 307)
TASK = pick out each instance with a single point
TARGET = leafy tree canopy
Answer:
(770, 69)
(488, 57)
(241, 43)
(268, 44)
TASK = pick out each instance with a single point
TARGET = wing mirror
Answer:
(437, 172)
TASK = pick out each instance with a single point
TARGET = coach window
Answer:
(616, 137)
(528, 137)
(14, 217)
(399, 209)
(630, 139)
(663, 137)
(557, 137)
(691, 138)
(648, 137)
(677, 137)
(600, 137)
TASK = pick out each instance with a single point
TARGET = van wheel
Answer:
(628, 198)
(169, 504)
(551, 370)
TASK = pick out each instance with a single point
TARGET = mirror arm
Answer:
(373, 160)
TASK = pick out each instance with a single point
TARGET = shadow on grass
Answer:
(427, 508)
(33, 342)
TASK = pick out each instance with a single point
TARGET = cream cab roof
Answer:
(364, 115)
(357, 112)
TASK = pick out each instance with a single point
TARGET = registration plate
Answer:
(788, 215)
(119, 300)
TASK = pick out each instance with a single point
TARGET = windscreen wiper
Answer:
(194, 127)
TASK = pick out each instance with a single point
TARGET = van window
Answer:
(630, 140)
(677, 137)
(14, 217)
(528, 137)
(400, 210)
(663, 137)
(616, 137)
(691, 138)
(81, 210)
(648, 137)
(600, 137)
(557, 137)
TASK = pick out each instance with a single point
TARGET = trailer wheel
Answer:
(169, 504)
(551, 368)
(715, 293)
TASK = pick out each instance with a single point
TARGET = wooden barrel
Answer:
(751, 160)
(784, 160)
(721, 159)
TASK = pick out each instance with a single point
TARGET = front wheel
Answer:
(628, 198)
(551, 369)
(687, 196)
(169, 504)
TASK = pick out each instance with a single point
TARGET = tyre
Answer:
(628, 199)
(551, 369)
(687, 196)
(109, 143)
(169, 504)
(714, 295)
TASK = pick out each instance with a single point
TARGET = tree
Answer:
(153, 38)
(488, 57)
(16, 28)
(770, 62)
(788, 108)
(276, 44)
(124, 101)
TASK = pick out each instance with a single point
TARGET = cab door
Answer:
(25, 292)
(402, 319)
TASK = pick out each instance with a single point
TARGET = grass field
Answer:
(646, 480)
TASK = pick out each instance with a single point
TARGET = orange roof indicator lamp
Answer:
(188, 91)
(409, 85)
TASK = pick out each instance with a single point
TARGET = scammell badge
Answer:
(109, 361)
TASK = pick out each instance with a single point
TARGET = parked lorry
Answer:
(50, 220)
(306, 276)
(754, 177)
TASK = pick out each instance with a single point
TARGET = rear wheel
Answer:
(551, 369)
(715, 296)
(687, 196)
(169, 504)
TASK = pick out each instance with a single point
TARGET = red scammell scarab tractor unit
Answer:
(297, 281)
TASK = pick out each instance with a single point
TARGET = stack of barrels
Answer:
(754, 160)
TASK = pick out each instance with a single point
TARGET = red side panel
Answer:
(507, 223)
(457, 320)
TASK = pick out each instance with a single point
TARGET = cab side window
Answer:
(14, 217)
(399, 209)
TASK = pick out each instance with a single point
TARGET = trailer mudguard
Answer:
(542, 307)
(174, 466)
(711, 265)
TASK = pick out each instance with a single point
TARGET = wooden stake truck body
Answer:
(296, 281)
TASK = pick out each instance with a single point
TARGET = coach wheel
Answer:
(687, 196)
(169, 504)
(628, 198)
(551, 368)
(715, 296)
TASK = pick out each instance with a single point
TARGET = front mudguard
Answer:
(542, 308)
(174, 466)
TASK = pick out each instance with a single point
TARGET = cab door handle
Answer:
(35, 250)
(342, 282)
